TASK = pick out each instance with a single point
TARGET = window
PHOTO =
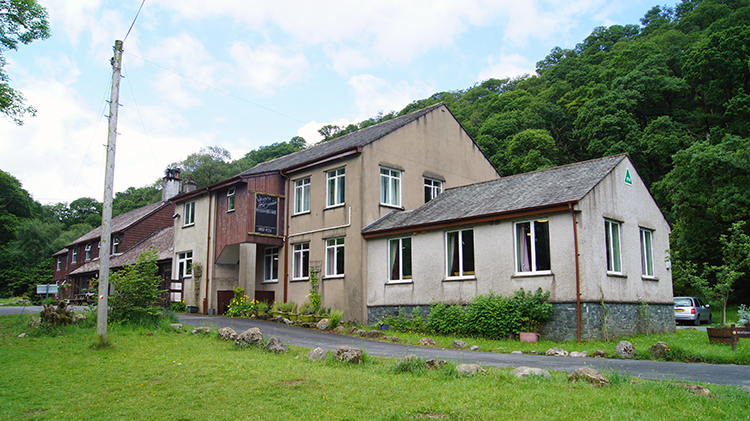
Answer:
(271, 264)
(88, 251)
(115, 245)
(230, 200)
(432, 188)
(302, 195)
(532, 246)
(612, 236)
(647, 255)
(390, 187)
(185, 264)
(59, 263)
(301, 261)
(460, 253)
(189, 214)
(335, 187)
(335, 257)
(74, 256)
(400, 259)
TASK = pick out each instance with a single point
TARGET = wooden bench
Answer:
(730, 335)
(81, 299)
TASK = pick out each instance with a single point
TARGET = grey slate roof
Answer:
(531, 190)
(121, 222)
(349, 141)
(163, 240)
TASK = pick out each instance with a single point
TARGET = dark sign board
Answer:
(266, 208)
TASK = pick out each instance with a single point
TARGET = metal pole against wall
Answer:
(104, 251)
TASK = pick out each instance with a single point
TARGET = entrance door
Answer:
(224, 298)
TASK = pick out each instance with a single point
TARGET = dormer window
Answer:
(88, 251)
(230, 199)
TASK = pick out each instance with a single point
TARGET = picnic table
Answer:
(83, 298)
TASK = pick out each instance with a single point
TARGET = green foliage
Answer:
(409, 364)
(744, 315)
(335, 318)
(132, 198)
(177, 306)
(401, 322)
(56, 316)
(241, 305)
(137, 290)
(447, 319)
(314, 295)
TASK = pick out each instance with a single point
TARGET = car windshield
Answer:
(682, 302)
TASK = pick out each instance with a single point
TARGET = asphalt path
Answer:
(738, 375)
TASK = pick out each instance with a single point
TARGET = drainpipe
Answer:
(208, 255)
(578, 274)
(286, 236)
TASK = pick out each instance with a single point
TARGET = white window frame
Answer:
(88, 252)
(533, 263)
(115, 245)
(335, 187)
(390, 187)
(74, 256)
(185, 264)
(462, 273)
(189, 217)
(647, 252)
(301, 261)
(271, 265)
(230, 199)
(432, 188)
(59, 263)
(302, 196)
(400, 260)
(335, 256)
(613, 239)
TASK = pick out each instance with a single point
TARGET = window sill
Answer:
(399, 282)
(387, 205)
(188, 225)
(650, 278)
(460, 278)
(307, 212)
(327, 277)
(273, 281)
(230, 211)
(300, 279)
(532, 274)
(338, 205)
(617, 275)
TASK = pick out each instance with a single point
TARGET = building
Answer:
(267, 228)
(588, 231)
(132, 233)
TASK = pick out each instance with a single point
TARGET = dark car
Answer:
(692, 309)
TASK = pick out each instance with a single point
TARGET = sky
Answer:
(242, 74)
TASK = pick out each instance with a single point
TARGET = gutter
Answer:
(286, 235)
(323, 229)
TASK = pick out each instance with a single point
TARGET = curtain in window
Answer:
(453, 257)
(395, 261)
(524, 247)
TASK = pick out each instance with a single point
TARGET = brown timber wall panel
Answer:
(156, 221)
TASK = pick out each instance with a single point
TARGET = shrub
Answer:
(60, 316)
(448, 319)
(744, 314)
(241, 305)
(137, 290)
(177, 306)
(401, 322)
(335, 318)
(493, 316)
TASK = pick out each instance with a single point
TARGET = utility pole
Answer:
(109, 178)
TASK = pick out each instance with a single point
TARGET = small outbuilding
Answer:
(590, 233)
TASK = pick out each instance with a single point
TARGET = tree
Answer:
(132, 198)
(137, 290)
(21, 21)
(209, 166)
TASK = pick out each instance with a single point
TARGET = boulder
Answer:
(351, 330)
(324, 324)
(78, 318)
(435, 364)
(374, 334)
(339, 329)
(360, 332)
(522, 372)
(658, 349)
(475, 348)
(227, 333)
(576, 354)
(276, 345)
(249, 337)
(35, 321)
(426, 342)
(534, 352)
(392, 338)
(516, 352)
(348, 354)
(176, 326)
(317, 354)
(202, 329)
(459, 344)
(600, 353)
(23, 335)
(470, 369)
(695, 388)
(556, 352)
(590, 375)
(286, 321)
(625, 349)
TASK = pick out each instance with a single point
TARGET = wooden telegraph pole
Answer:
(109, 178)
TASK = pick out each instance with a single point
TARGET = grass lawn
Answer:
(177, 376)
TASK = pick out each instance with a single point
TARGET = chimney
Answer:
(172, 183)
(190, 185)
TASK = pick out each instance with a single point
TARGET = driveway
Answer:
(738, 375)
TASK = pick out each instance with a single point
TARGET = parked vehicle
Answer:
(692, 309)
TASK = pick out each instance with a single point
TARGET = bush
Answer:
(137, 290)
(448, 319)
(335, 318)
(415, 323)
(493, 316)
(241, 305)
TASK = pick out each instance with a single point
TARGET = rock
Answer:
(556, 352)
(409, 359)
(287, 321)
(249, 337)
(392, 338)
(626, 350)
(339, 329)
(590, 375)
(658, 349)
(23, 335)
(426, 342)
(695, 388)
(348, 354)
(600, 353)
(435, 364)
(470, 369)
(176, 326)
(276, 345)
(522, 372)
(373, 334)
(35, 321)
(202, 329)
(475, 348)
(78, 318)
(576, 354)
(459, 344)
(351, 330)
(516, 352)
(534, 352)
(317, 354)
(324, 324)
(360, 332)
(227, 333)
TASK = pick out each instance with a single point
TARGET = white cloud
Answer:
(267, 67)
(373, 94)
(507, 66)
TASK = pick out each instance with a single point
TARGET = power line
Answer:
(134, 19)
(217, 89)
